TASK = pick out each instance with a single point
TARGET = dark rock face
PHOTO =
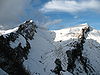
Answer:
(75, 55)
(11, 59)
(58, 67)
(27, 30)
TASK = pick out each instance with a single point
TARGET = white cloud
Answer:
(56, 21)
(71, 6)
(10, 10)
(76, 17)
(13, 12)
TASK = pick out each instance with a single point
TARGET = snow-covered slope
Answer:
(82, 48)
(69, 51)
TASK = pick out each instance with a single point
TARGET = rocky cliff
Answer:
(14, 48)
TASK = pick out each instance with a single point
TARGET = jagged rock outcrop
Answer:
(58, 67)
(12, 57)
(76, 55)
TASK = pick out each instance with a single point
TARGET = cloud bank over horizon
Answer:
(71, 6)
(16, 11)
(11, 10)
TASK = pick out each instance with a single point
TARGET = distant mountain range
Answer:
(33, 50)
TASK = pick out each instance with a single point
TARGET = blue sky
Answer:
(73, 12)
(56, 14)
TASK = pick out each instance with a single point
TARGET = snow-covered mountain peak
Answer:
(76, 40)
(72, 32)
(14, 48)
(33, 50)
(27, 25)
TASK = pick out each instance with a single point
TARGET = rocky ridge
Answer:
(32, 50)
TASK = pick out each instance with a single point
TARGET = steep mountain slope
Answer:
(37, 51)
(82, 45)
(14, 48)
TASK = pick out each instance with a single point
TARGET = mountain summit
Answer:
(32, 50)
